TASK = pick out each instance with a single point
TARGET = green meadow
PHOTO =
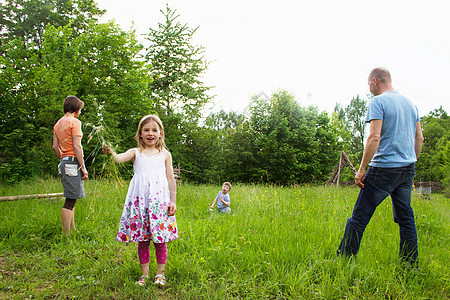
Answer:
(279, 243)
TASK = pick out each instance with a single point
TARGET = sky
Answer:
(319, 50)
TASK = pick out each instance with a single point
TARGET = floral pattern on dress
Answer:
(145, 213)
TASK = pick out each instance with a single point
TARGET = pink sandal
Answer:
(160, 279)
(142, 280)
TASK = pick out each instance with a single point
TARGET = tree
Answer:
(98, 64)
(293, 144)
(26, 20)
(233, 153)
(22, 28)
(433, 163)
(177, 89)
(352, 125)
(176, 67)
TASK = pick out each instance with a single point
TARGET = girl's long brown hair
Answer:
(160, 144)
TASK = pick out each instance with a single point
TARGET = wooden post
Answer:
(179, 174)
(332, 176)
(349, 163)
(336, 173)
(339, 170)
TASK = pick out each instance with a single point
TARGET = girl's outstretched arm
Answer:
(172, 184)
(122, 157)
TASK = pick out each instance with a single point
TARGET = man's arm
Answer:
(419, 140)
(372, 143)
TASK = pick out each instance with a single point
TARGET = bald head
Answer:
(381, 74)
(380, 81)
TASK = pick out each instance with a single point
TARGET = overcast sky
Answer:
(320, 50)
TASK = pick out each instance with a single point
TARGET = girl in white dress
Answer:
(150, 205)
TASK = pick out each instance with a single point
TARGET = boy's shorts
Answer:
(225, 210)
(69, 170)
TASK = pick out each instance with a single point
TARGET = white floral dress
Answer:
(144, 215)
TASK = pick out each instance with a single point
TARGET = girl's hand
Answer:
(172, 209)
(106, 149)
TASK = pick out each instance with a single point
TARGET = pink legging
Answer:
(144, 252)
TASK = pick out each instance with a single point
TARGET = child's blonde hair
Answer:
(160, 144)
(228, 185)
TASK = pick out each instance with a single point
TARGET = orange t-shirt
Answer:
(65, 129)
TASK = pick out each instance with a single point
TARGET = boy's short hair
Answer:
(228, 185)
(72, 104)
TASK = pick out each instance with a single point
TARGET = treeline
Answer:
(279, 142)
(53, 48)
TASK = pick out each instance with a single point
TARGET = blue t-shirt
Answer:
(398, 133)
(226, 198)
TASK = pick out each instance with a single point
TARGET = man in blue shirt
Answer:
(392, 148)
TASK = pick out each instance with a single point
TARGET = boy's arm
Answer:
(78, 149)
(55, 146)
(224, 202)
(214, 203)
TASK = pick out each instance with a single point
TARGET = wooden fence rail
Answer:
(20, 197)
(177, 174)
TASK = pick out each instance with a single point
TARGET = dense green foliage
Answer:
(352, 125)
(279, 243)
(53, 48)
(293, 144)
(96, 62)
(281, 142)
(434, 162)
(25, 21)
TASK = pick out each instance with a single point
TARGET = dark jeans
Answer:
(378, 184)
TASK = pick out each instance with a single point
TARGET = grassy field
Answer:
(279, 243)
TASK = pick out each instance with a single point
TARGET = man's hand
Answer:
(359, 178)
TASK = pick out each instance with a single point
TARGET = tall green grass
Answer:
(278, 243)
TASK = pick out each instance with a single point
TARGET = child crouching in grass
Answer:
(223, 199)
